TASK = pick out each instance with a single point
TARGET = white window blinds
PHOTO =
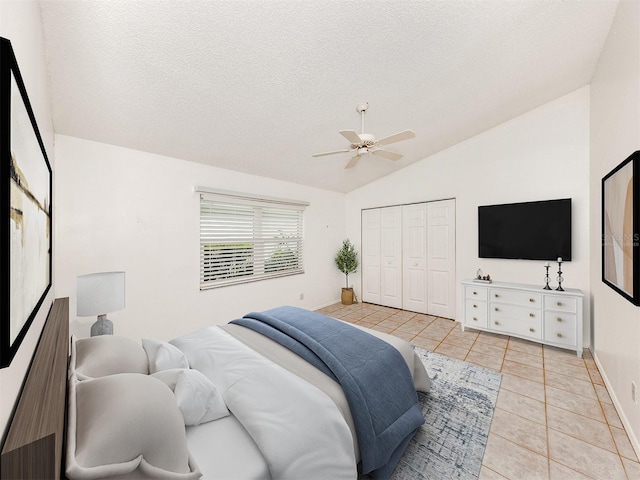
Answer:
(245, 238)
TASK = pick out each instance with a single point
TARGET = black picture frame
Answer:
(26, 260)
(620, 223)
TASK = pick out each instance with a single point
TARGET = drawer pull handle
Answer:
(497, 323)
(531, 315)
(559, 304)
(497, 309)
(559, 335)
(475, 293)
(531, 300)
(496, 295)
(475, 319)
(559, 319)
(475, 306)
(531, 330)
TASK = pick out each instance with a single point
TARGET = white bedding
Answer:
(298, 429)
(224, 450)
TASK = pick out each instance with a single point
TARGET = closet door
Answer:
(441, 258)
(391, 257)
(414, 253)
(371, 256)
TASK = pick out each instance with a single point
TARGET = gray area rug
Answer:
(458, 413)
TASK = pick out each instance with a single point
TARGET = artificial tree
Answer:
(347, 262)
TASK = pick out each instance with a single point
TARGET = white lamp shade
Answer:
(100, 293)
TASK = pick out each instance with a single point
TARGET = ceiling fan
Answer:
(364, 143)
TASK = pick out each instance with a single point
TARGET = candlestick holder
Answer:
(546, 278)
(560, 279)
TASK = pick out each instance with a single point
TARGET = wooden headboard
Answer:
(34, 445)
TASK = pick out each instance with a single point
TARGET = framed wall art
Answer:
(26, 199)
(620, 241)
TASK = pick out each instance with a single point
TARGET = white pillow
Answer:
(106, 355)
(163, 356)
(125, 423)
(198, 399)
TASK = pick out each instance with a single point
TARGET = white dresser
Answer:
(525, 311)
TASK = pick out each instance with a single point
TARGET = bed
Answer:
(248, 408)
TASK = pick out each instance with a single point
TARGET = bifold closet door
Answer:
(391, 257)
(371, 256)
(414, 253)
(441, 258)
(382, 256)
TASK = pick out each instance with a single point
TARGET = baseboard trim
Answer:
(616, 403)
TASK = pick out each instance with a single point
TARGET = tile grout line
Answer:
(546, 411)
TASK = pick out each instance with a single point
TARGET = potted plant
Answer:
(347, 262)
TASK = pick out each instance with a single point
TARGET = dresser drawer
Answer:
(514, 297)
(515, 311)
(560, 303)
(476, 293)
(475, 313)
(560, 327)
(523, 327)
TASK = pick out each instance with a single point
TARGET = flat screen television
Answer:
(529, 231)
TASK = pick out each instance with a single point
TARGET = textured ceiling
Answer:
(259, 86)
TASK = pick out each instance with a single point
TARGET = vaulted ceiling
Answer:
(258, 86)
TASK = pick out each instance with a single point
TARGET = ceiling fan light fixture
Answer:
(367, 138)
(365, 143)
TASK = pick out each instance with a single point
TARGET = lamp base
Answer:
(103, 326)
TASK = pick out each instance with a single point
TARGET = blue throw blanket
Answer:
(374, 376)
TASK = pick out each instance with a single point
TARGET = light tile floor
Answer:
(553, 419)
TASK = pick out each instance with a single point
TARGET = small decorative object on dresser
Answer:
(525, 311)
(560, 289)
(546, 277)
(480, 278)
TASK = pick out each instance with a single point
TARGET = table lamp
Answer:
(99, 294)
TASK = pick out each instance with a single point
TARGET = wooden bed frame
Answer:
(33, 448)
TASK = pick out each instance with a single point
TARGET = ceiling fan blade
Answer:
(352, 162)
(397, 137)
(352, 136)
(387, 154)
(329, 153)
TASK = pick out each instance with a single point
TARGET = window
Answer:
(245, 238)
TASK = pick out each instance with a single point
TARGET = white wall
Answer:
(541, 155)
(20, 23)
(615, 134)
(121, 209)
